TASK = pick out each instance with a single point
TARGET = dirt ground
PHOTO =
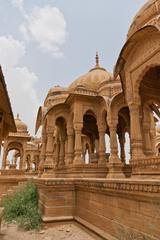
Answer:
(68, 231)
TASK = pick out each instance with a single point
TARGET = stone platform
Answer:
(109, 207)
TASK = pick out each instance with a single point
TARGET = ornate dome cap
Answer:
(92, 79)
(147, 15)
(21, 126)
(56, 89)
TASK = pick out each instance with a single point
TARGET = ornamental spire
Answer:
(97, 59)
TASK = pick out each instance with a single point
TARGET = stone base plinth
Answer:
(56, 198)
(12, 171)
(115, 170)
(146, 168)
(111, 208)
(92, 170)
(12, 166)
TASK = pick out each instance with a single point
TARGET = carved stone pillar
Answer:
(78, 144)
(43, 149)
(122, 147)
(114, 165)
(42, 154)
(147, 139)
(62, 152)
(153, 142)
(113, 144)
(4, 156)
(102, 146)
(57, 152)
(70, 149)
(49, 150)
(21, 162)
(135, 132)
(153, 135)
(66, 151)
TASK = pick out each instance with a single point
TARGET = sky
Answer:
(44, 43)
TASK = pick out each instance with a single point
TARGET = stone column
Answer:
(135, 132)
(153, 135)
(57, 152)
(4, 156)
(114, 165)
(49, 150)
(102, 146)
(42, 154)
(122, 147)
(78, 143)
(31, 163)
(153, 142)
(66, 151)
(62, 152)
(70, 145)
(147, 139)
(113, 144)
(21, 161)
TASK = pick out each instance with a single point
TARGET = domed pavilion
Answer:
(138, 67)
(26, 149)
(79, 126)
(16, 141)
(84, 173)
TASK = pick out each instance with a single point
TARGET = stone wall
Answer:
(56, 200)
(113, 209)
(7, 182)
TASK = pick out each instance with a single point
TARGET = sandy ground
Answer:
(56, 232)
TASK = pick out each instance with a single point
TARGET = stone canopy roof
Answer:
(21, 126)
(147, 15)
(93, 79)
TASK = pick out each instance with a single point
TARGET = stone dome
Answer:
(56, 89)
(92, 79)
(147, 15)
(21, 126)
(55, 95)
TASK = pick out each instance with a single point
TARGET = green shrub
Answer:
(22, 207)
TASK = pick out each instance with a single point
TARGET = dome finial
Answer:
(97, 59)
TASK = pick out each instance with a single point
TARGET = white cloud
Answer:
(46, 26)
(20, 80)
(18, 4)
(11, 51)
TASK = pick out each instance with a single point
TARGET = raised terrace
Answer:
(80, 163)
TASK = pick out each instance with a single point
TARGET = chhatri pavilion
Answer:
(75, 121)
(88, 130)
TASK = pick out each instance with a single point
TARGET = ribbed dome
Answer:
(56, 89)
(147, 15)
(21, 126)
(92, 79)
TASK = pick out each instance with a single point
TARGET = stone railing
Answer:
(155, 161)
(135, 186)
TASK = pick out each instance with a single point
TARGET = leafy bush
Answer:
(22, 207)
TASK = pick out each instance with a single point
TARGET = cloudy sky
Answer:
(44, 43)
